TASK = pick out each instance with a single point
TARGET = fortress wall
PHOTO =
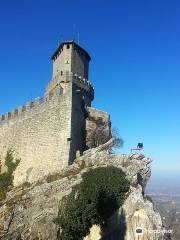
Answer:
(83, 83)
(38, 134)
(97, 123)
(71, 77)
(96, 113)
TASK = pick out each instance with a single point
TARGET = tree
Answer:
(118, 140)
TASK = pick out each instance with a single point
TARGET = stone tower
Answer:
(70, 76)
(70, 57)
(71, 61)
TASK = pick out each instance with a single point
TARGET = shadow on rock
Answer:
(116, 228)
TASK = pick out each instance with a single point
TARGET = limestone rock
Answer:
(29, 211)
(95, 233)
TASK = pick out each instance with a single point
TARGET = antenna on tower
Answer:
(78, 38)
(61, 40)
(74, 32)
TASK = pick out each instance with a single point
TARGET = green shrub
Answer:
(101, 192)
(10, 163)
(6, 178)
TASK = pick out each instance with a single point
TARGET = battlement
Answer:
(31, 105)
(81, 82)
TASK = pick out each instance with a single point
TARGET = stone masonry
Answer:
(48, 133)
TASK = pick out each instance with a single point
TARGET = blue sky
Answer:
(135, 68)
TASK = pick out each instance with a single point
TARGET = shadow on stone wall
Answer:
(116, 230)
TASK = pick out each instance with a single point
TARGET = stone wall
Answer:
(98, 127)
(40, 135)
(49, 132)
(81, 82)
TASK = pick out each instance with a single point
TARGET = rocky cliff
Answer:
(29, 211)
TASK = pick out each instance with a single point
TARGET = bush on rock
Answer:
(101, 192)
(6, 178)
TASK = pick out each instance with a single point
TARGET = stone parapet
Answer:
(84, 84)
(30, 106)
(81, 82)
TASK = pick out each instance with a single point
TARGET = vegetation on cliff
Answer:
(101, 192)
(6, 178)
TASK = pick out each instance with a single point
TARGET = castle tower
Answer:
(70, 76)
(70, 57)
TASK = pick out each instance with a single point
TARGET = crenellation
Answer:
(14, 113)
(7, 115)
(84, 84)
(2, 117)
(69, 77)
(21, 109)
(29, 105)
(38, 101)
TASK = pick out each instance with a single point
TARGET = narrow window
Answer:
(67, 46)
(61, 73)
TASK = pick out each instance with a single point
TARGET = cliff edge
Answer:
(29, 211)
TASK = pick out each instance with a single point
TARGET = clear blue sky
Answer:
(135, 68)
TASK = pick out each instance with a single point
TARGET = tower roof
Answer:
(75, 45)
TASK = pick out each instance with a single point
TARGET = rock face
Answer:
(29, 211)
